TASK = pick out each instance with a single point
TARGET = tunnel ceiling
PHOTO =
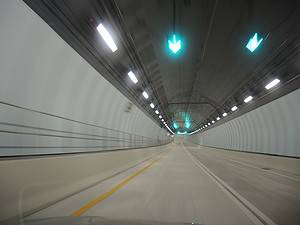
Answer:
(213, 71)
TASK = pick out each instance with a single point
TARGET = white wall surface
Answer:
(273, 128)
(40, 71)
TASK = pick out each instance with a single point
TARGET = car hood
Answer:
(90, 221)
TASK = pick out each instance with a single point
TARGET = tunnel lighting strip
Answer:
(273, 83)
(107, 37)
(145, 94)
(234, 108)
(169, 128)
(248, 99)
(132, 77)
(195, 131)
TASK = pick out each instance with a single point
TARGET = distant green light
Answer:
(253, 43)
(187, 124)
(187, 120)
(175, 125)
(174, 44)
(178, 132)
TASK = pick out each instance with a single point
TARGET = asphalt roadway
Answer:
(195, 184)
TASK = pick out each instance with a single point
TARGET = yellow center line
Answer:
(105, 195)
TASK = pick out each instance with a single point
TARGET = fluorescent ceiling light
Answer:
(152, 105)
(234, 108)
(224, 114)
(213, 121)
(218, 118)
(145, 94)
(248, 99)
(159, 116)
(107, 37)
(156, 111)
(273, 83)
(208, 124)
(205, 125)
(132, 77)
(162, 120)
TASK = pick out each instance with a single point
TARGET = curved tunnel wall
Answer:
(53, 101)
(273, 129)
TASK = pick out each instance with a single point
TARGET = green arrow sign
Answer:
(253, 43)
(174, 44)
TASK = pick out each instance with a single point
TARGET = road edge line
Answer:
(248, 208)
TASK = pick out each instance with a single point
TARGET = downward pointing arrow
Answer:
(175, 46)
(253, 43)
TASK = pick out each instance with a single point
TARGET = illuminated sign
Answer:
(253, 43)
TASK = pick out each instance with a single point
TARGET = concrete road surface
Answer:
(194, 184)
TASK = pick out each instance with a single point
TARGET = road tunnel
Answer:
(149, 112)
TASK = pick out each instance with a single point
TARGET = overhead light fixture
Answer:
(107, 37)
(152, 105)
(273, 83)
(156, 111)
(132, 77)
(218, 118)
(224, 114)
(162, 120)
(234, 108)
(205, 125)
(213, 121)
(159, 116)
(208, 124)
(248, 99)
(145, 94)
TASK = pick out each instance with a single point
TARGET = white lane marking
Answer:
(254, 214)
(267, 171)
(258, 168)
